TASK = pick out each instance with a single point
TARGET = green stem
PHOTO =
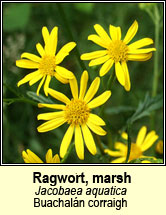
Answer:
(111, 80)
(11, 89)
(25, 100)
(156, 56)
(67, 153)
(98, 141)
(108, 87)
(129, 142)
(70, 35)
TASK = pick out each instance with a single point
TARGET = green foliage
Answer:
(85, 8)
(146, 107)
(40, 98)
(152, 160)
(16, 17)
(22, 24)
(119, 109)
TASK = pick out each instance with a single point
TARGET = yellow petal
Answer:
(131, 32)
(121, 147)
(56, 159)
(100, 99)
(93, 55)
(141, 135)
(51, 124)
(32, 157)
(40, 85)
(35, 79)
(26, 157)
(149, 141)
(64, 51)
(47, 39)
(95, 119)
(79, 144)
(127, 85)
(40, 49)
(28, 64)
(99, 41)
(53, 40)
(124, 135)
(140, 43)
(46, 85)
(45, 34)
(52, 106)
(57, 95)
(99, 60)
(92, 90)
(141, 51)
(106, 67)
(49, 156)
(113, 153)
(74, 87)
(96, 128)
(83, 84)
(66, 141)
(64, 73)
(102, 33)
(49, 116)
(26, 160)
(89, 141)
(120, 73)
(60, 78)
(145, 161)
(139, 57)
(119, 160)
(28, 78)
(30, 56)
(115, 32)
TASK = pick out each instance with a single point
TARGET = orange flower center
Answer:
(47, 65)
(76, 112)
(118, 51)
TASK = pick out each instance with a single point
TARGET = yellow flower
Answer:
(147, 161)
(117, 51)
(47, 66)
(159, 147)
(30, 157)
(77, 113)
(143, 142)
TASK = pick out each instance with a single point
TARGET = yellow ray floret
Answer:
(143, 142)
(47, 65)
(118, 51)
(30, 157)
(77, 113)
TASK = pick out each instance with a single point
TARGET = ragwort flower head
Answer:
(143, 142)
(47, 66)
(77, 113)
(30, 157)
(117, 51)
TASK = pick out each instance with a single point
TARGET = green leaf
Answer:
(152, 160)
(119, 109)
(146, 107)
(16, 16)
(84, 7)
(40, 98)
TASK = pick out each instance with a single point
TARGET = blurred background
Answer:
(22, 24)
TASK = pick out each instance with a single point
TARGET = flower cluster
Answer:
(77, 111)
(143, 143)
